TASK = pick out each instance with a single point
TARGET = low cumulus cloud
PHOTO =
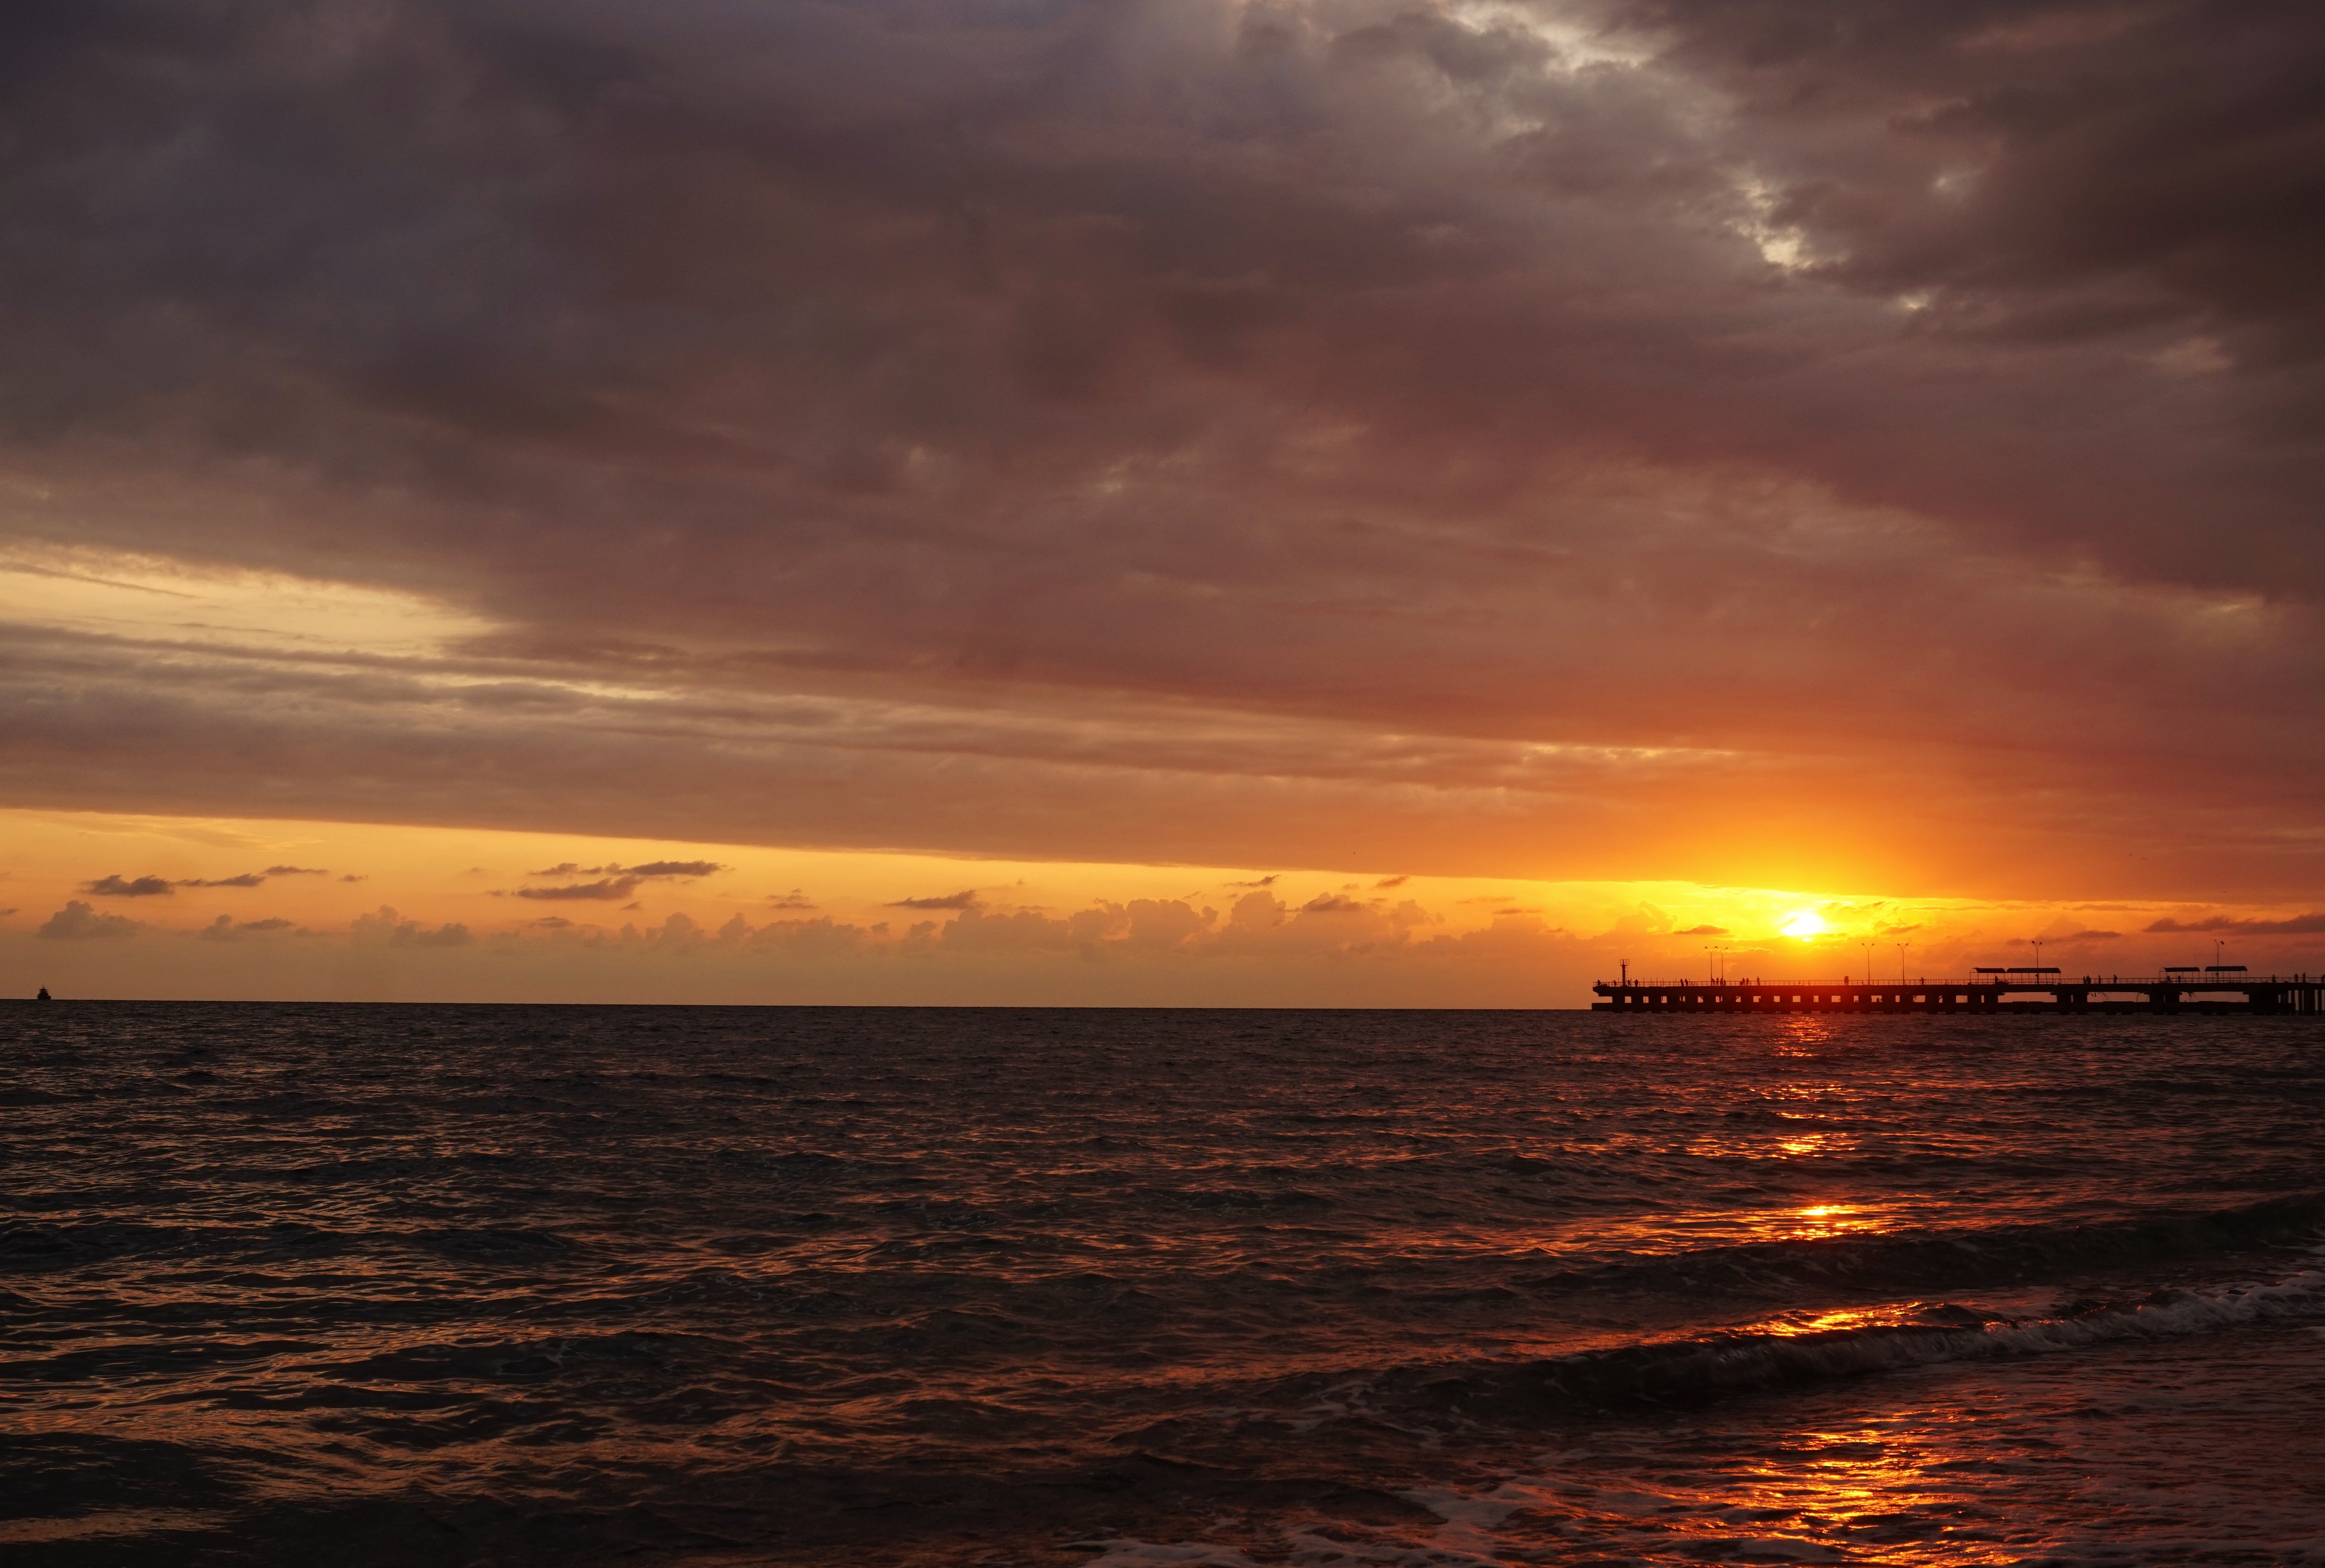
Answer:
(2297, 926)
(118, 887)
(607, 889)
(650, 869)
(386, 928)
(614, 883)
(79, 922)
(226, 928)
(964, 899)
(1260, 929)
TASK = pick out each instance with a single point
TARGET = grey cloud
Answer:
(78, 922)
(385, 928)
(297, 872)
(1702, 931)
(964, 899)
(118, 887)
(660, 868)
(2298, 925)
(611, 889)
(1208, 447)
(246, 880)
(226, 928)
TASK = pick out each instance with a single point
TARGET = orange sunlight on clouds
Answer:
(111, 904)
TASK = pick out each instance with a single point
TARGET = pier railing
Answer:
(2186, 991)
(2011, 983)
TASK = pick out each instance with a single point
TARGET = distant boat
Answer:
(44, 996)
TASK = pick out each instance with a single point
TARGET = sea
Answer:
(451, 1284)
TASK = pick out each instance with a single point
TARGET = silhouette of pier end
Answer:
(2175, 993)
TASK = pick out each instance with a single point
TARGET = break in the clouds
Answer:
(1753, 438)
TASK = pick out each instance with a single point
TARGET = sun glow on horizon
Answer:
(1805, 925)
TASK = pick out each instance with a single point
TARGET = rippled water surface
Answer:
(293, 1283)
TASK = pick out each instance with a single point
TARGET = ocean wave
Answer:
(1915, 1262)
(1697, 1368)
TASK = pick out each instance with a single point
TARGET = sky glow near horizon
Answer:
(1652, 465)
(304, 910)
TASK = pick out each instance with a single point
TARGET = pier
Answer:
(2174, 992)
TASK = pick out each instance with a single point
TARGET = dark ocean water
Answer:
(452, 1285)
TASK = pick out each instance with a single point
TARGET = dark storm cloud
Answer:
(808, 276)
(2118, 164)
(1411, 384)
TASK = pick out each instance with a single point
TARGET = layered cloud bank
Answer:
(454, 914)
(1794, 443)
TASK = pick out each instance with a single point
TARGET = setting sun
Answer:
(1805, 924)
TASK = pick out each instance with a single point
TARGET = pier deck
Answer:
(2145, 993)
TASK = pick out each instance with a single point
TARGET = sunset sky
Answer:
(1026, 501)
